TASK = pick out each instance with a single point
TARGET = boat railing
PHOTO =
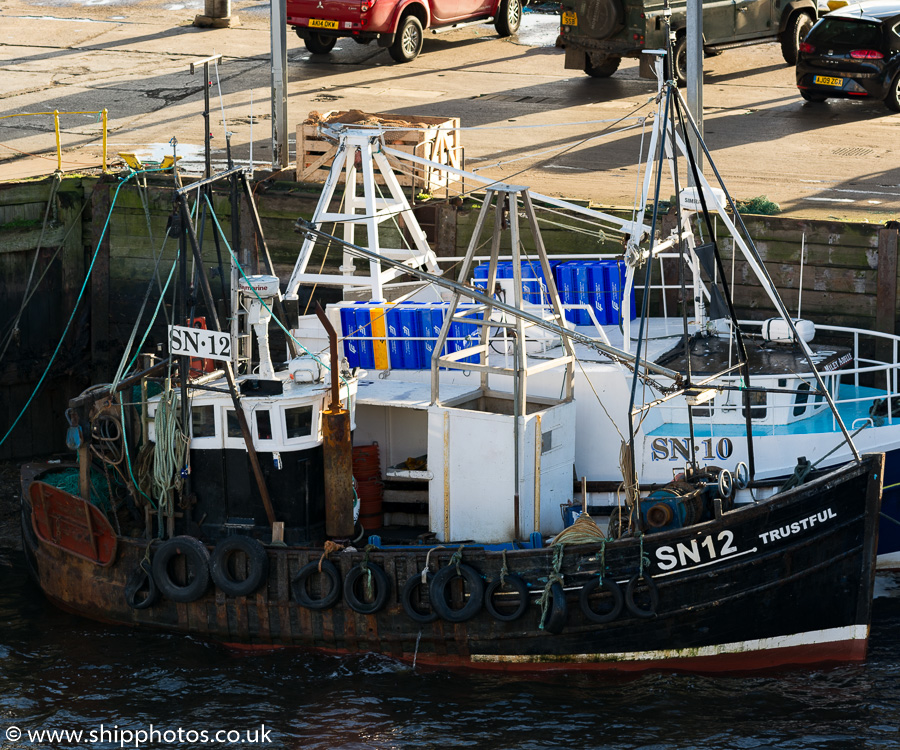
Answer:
(881, 374)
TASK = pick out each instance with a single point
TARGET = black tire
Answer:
(196, 560)
(520, 588)
(440, 585)
(892, 100)
(559, 610)
(408, 41)
(603, 69)
(257, 560)
(795, 32)
(652, 591)
(618, 601)
(301, 592)
(509, 17)
(319, 44)
(141, 578)
(680, 67)
(380, 583)
(408, 599)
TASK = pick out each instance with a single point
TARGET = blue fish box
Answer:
(363, 315)
(410, 329)
(351, 342)
(394, 328)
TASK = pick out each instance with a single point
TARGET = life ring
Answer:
(380, 582)
(140, 577)
(332, 593)
(559, 610)
(651, 588)
(257, 561)
(520, 587)
(617, 600)
(440, 584)
(196, 560)
(407, 598)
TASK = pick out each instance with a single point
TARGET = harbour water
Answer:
(60, 673)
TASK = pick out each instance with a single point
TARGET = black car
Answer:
(853, 52)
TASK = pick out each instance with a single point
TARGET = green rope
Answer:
(602, 560)
(456, 559)
(645, 560)
(554, 577)
(364, 565)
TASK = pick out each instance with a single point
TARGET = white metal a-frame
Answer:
(505, 200)
(360, 154)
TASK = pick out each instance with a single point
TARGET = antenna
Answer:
(800, 287)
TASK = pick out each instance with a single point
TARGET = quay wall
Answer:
(849, 274)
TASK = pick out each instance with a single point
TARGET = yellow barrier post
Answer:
(58, 148)
(105, 170)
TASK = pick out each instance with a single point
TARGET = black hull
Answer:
(732, 594)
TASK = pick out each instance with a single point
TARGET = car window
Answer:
(845, 32)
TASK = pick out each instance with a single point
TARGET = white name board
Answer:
(197, 342)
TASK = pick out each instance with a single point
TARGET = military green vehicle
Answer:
(597, 34)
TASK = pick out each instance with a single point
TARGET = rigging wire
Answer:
(87, 277)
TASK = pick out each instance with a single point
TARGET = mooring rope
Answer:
(554, 577)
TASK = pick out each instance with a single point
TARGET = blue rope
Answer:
(65, 332)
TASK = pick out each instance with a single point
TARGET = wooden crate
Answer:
(434, 138)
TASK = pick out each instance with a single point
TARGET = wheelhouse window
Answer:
(757, 402)
(263, 424)
(801, 399)
(298, 421)
(203, 421)
(234, 427)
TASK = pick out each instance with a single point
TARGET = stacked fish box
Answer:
(598, 284)
(382, 336)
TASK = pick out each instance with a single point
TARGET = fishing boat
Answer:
(231, 511)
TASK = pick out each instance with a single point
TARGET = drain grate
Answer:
(852, 151)
(514, 98)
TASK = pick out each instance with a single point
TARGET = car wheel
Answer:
(319, 44)
(603, 69)
(813, 97)
(408, 42)
(509, 16)
(892, 100)
(680, 71)
(795, 32)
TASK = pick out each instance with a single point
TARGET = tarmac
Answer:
(528, 119)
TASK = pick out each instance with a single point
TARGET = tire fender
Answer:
(332, 594)
(438, 592)
(196, 557)
(519, 586)
(559, 610)
(380, 582)
(407, 599)
(609, 585)
(258, 562)
(142, 575)
(653, 591)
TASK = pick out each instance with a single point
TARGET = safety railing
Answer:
(56, 113)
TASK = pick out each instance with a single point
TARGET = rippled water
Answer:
(59, 672)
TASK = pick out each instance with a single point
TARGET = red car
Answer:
(398, 25)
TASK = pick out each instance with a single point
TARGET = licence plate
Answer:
(569, 18)
(320, 23)
(828, 81)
